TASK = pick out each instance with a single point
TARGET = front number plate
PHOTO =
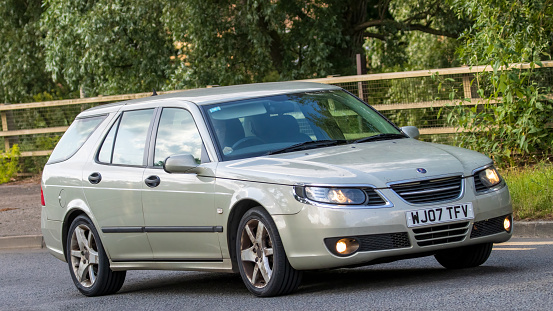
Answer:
(437, 215)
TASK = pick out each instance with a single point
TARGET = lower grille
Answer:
(441, 234)
(487, 227)
(378, 242)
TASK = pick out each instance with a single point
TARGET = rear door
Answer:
(112, 182)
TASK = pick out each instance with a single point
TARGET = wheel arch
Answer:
(67, 221)
(236, 213)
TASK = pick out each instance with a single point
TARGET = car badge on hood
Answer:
(421, 170)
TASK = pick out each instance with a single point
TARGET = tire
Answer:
(87, 260)
(261, 259)
(464, 257)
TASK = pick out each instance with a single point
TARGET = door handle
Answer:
(152, 181)
(95, 178)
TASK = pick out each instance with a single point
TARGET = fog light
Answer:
(347, 246)
(341, 247)
(507, 223)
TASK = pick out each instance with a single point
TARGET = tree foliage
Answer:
(56, 47)
(228, 42)
(107, 46)
(22, 70)
(506, 32)
(412, 34)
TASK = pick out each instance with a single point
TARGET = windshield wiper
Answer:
(383, 136)
(308, 145)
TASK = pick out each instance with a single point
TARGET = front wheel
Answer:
(88, 263)
(262, 262)
(464, 257)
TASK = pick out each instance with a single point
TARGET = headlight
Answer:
(489, 177)
(349, 196)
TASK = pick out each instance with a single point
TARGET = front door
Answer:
(181, 220)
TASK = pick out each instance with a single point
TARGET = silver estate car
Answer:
(265, 180)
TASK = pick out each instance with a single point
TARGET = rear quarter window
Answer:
(74, 138)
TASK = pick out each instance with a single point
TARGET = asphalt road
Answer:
(518, 276)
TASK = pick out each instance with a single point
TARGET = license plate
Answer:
(438, 215)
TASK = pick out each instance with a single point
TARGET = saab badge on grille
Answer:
(421, 170)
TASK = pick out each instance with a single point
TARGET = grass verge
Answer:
(531, 190)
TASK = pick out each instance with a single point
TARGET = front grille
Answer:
(441, 234)
(374, 198)
(487, 227)
(431, 190)
(378, 242)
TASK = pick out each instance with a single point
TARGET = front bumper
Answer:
(385, 233)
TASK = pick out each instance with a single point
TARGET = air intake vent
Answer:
(374, 198)
(487, 227)
(442, 234)
(377, 242)
(478, 185)
(430, 191)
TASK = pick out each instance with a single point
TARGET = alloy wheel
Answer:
(256, 253)
(84, 255)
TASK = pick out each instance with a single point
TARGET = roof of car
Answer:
(207, 96)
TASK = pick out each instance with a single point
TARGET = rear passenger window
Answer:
(177, 134)
(126, 141)
(74, 138)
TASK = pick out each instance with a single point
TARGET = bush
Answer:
(9, 164)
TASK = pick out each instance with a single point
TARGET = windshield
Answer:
(268, 125)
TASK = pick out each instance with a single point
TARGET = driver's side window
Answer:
(177, 134)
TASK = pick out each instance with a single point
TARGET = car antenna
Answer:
(155, 93)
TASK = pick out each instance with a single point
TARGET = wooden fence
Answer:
(355, 84)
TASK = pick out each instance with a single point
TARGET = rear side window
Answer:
(126, 141)
(74, 138)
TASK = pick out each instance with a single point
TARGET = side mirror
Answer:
(182, 163)
(411, 131)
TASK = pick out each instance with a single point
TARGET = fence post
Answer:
(466, 86)
(361, 69)
(5, 129)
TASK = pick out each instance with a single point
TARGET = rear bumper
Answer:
(51, 231)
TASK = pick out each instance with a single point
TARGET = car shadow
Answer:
(369, 278)
(390, 278)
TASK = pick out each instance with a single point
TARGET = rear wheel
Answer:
(88, 263)
(464, 257)
(262, 261)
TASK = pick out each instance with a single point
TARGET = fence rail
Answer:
(405, 97)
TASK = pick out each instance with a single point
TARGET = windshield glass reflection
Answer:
(272, 124)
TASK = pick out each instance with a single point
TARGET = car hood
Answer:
(372, 163)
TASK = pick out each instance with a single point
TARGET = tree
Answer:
(107, 46)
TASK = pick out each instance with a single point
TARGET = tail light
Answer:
(42, 197)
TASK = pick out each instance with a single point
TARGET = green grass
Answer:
(531, 190)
